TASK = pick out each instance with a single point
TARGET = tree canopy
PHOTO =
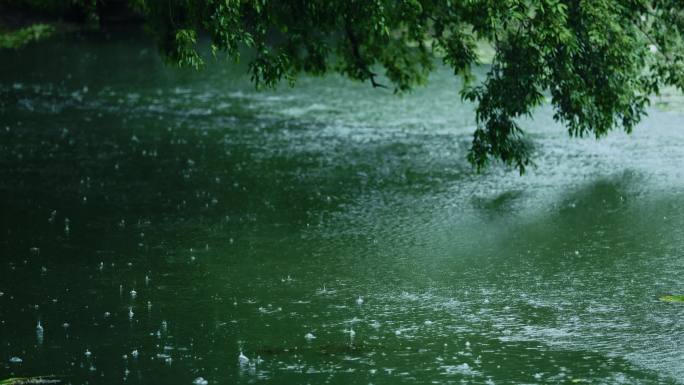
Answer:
(595, 61)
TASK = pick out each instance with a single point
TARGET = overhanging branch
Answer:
(358, 59)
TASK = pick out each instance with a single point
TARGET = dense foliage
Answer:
(20, 37)
(595, 61)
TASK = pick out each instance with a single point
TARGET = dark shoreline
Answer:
(110, 14)
(20, 26)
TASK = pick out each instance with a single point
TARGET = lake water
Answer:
(158, 222)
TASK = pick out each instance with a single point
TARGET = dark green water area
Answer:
(166, 226)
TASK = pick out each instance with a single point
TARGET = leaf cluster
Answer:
(20, 37)
(595, 61)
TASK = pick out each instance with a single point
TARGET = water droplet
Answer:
(242, 359)
(39, 333)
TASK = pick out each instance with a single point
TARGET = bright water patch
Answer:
(159, 225)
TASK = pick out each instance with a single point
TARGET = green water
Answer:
(244, 221)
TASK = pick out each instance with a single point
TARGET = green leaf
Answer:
(673, 298)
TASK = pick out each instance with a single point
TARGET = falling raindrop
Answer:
(242, 359)
(39, 333)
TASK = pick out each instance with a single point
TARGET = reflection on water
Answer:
(163, 226)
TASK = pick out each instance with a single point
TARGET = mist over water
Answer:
(163, 225)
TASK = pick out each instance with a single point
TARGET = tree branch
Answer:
(359, 62)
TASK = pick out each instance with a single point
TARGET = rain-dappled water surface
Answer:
(167, 226)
